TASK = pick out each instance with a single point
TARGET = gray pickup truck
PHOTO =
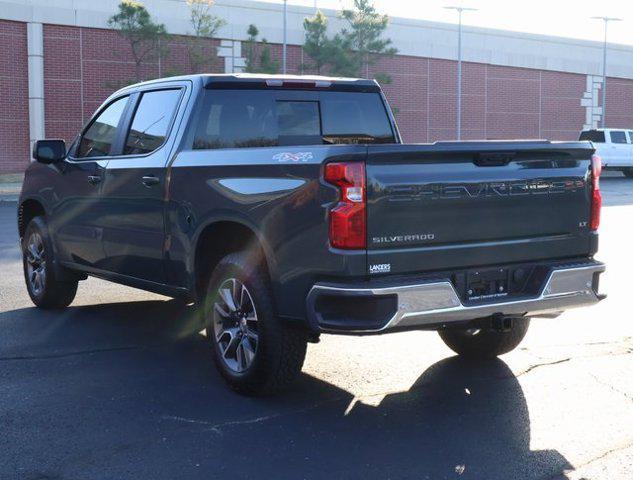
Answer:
(286, 207)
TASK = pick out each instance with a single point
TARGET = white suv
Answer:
(614, 146)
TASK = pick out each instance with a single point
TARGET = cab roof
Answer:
(604, 129)
(256, 81)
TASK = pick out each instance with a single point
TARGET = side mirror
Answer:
(49, 151)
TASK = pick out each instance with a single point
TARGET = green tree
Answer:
(134, 23)
(205, 26)
(350, 52)
(342, 61)
(363, 37)
(333, 54)
(266, 62)
(317, 45)
(258, 57)
(250, 46)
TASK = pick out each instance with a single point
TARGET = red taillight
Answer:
(596, 197)
(347, 218)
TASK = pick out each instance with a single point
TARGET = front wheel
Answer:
(485, 342)
(255, 352)
(45, 289)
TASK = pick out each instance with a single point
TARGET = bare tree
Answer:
(205, 27)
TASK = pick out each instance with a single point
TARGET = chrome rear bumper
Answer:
(436, 304)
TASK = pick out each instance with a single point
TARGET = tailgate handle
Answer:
(493, 159)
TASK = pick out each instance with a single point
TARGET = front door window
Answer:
(98, 139)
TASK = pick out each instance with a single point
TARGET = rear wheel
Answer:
(255, 352)
(45, 289)
(485, 342)
(628, 172)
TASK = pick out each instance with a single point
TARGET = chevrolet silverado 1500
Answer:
(286, 207)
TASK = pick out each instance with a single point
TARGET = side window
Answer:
(618, 136)
(630, 136)
(151, 121)
(100, 135)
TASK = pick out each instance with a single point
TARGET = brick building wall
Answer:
(14, 97)
(620, 102)
(82, 66)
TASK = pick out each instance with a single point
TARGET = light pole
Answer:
(606, 21)
(285, 47)
(459, 11)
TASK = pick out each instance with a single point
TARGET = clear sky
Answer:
(566, 18)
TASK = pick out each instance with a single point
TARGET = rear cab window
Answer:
(595, 136)
(268, 118)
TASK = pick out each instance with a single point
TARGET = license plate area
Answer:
(488, 284)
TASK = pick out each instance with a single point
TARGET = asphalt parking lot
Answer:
(118, 387)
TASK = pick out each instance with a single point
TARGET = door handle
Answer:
(150, 180)
(94, 179)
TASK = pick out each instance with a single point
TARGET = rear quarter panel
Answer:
(275, 191)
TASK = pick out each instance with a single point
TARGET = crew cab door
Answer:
(77, 219)
(620, 148)
(134, 187)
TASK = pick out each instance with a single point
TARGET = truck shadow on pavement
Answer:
(128, 390)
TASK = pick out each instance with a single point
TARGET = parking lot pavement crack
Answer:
(621, 341)
(608, 353)
(218, 427)
(543, 364)
(611, 387)
(77, 353)
(563, 475)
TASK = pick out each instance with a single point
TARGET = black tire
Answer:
(628, 172)
(485, 343)
(279, 351)
(49, 292)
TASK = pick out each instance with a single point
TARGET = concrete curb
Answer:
(10, 188)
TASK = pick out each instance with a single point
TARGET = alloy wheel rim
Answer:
(235, 325)
(36, 263)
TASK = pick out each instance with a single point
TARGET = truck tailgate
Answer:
(463, 204)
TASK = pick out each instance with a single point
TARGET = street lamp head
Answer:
(461, 9)
(607, 19)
